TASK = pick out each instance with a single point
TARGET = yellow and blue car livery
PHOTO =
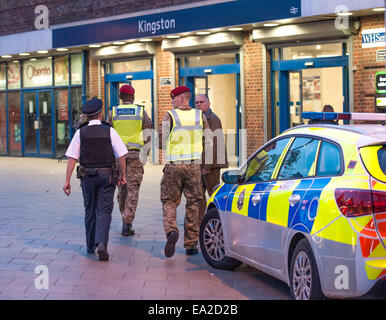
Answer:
(342, 215)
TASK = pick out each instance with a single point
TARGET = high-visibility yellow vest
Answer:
(127, 121)
(185, 138)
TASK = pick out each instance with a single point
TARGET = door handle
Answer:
(294, 199)
(256, 199)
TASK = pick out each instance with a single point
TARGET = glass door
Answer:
(295, 97)
(37, 123)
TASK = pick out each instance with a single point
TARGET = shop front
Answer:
(39, 104)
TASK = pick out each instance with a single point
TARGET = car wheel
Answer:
(212, 242)
(304, 276)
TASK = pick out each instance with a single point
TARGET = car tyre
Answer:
(212, 242)
(304, 275)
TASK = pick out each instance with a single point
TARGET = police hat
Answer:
(128, 89)
(179, 90)
(92, 107)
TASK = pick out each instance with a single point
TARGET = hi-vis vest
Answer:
(127, 121)
(185, 139)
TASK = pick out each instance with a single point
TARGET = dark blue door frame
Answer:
(37, 153)
(284, 67)
(188, 74)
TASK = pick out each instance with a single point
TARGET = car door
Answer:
(286, 199)
(243, 227)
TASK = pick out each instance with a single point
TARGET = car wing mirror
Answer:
(231, 177)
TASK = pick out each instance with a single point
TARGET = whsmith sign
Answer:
(373, 38)
(237, 12)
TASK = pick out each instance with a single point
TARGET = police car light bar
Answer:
(344, 116)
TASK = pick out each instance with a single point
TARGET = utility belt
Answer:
(113, 172)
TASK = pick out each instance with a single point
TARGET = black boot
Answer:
(102, 252)
(192, 251)
(127, 229)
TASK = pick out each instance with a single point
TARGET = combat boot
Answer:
(170, 245)
(102, 252)
(127, 229)
(191, 251)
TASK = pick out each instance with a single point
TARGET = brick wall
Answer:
(253, 85)
(19, 15)
(367, 66)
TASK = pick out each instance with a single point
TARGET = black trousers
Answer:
(98, 196)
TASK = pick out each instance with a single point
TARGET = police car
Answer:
(308, 207)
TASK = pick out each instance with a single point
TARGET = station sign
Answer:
(221, 14)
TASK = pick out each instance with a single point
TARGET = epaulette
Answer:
(83, 124)
(106, 123)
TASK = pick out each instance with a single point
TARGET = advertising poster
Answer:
(37, 73)
(61, 71)
(13, 75)
(63, 105)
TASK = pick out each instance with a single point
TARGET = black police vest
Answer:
(96, 150)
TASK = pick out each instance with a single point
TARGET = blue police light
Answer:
(320, 115)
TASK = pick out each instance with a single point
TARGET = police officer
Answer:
(96, 145)
(134, 127)
(218, 159)
(182, 132)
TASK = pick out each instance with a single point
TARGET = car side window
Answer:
(330, 160)
(261, 166)
(299, 159)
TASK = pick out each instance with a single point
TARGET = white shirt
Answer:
(119, 147)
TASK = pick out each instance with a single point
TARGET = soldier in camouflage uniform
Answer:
(181, 174)
(136, 158)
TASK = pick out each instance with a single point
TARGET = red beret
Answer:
(177, 91)
(128, 89)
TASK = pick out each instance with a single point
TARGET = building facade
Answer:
(261, 64)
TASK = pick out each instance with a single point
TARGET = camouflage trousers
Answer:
(128, 194)
(178, 179)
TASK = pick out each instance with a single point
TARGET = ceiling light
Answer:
(94, 46)
(270, 24)
(202, 33)
(235, 29)
(318, 47)
(24, 54)
(61, 49)
(343, 14)
(6, 56)
(379, 9)
(173, 37)
(33, 59)
(145, 40)
(42, 51)
(118, 43)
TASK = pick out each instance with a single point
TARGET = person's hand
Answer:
(122, 181)
(67, 188)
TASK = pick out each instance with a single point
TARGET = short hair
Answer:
(125, 96)
(328, 108)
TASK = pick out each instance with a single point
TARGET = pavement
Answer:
(42, 229)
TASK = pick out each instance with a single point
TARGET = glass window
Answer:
(14, 128)
(2, 77)
(208, 60)
(61, 71)
(37, 73)
(3, 125)
(13, 75)
(312, 51)
(76, 104)
(62, 121)
(131, 66)
(299, 161)
(261, 166)
(330, 160)
(76, 68)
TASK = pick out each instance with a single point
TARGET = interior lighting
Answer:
(61, 49)
(145, 40)
(379, 9)
(6, 56)
(42, 51)
(94, 46)
(270, 24)
(235, 29)
(24, 54)
(344, 14)
(118, 43)
(202, 33)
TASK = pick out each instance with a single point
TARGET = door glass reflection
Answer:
(30, 123)
(45, 123)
